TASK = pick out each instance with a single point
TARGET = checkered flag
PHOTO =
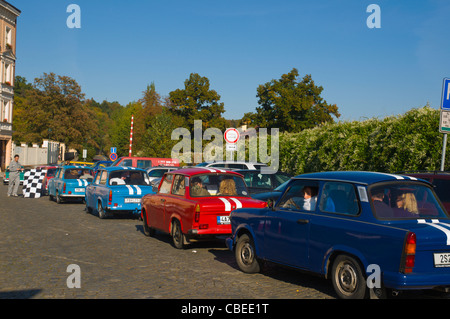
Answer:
(32, 183)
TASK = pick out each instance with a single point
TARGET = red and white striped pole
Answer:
(131, 134)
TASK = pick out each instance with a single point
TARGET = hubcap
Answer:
(347, 278)
(247, 254)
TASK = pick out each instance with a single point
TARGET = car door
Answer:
(157, 204)
(287, 226)
(91, 200)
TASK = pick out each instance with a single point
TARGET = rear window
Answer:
(442, 189)
(128, 177)
(405, 201)
(217, 185)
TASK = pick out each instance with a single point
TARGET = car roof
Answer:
(231, 162)
(201, 170)
(121, 168)
(76, 166)
(424, 174)
(257, 171)
(360, 177)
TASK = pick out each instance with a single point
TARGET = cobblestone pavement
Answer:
(39, 239)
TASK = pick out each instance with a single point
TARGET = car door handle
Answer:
(302, 221)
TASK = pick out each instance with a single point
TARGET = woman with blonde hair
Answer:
(408, 202)
(227, 187)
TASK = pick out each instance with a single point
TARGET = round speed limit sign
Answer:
(231, 136)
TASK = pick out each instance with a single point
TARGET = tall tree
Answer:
(54, 108)
(293, 105)
(198, 102)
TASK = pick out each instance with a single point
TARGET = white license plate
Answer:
(132, 200)
(223, 220)
(80, 190)
(442, 260)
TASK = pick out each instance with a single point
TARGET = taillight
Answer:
(64, 188)
(409, 253)
(197, 213)
(110, 198)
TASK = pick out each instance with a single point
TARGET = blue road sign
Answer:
(113, 150)
(113, 156)
(445, 103)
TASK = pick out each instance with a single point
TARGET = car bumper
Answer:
(416, 281)
(71, 195)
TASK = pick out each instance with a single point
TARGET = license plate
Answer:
(132, 200)
(223, 220)
(80, 190)
(442, 260)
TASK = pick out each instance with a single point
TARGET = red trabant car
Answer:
(194, 203)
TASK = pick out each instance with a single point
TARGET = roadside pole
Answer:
(444, 125)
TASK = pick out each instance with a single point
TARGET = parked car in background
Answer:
(195, 203)
(6, 175)
(158, 171)
(355, 223)
(100, 164)
(49, 174)
(231, 165)
(145, 162)
(441, 182)
(70, 182)
(271, 195)
(258, 182)
(117, 190)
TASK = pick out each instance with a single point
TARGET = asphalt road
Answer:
(40, 239)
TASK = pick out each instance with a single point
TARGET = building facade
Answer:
(8, 28)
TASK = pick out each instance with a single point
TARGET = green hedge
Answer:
(406, 142)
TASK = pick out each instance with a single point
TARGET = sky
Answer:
(122, 46)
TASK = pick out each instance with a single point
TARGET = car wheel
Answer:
(348, 279)
(58, 198)
(246, 255)
(177, 235)
(101, 212)
(148, 231)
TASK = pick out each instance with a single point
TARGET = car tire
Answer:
(178, 237)
(245, 254)
(348, 279)
(148, 231)
(59, 200)
(101, 212)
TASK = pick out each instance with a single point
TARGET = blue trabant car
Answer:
(117, 190)
(370, 233)
(70, 182)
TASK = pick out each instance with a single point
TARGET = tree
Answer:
(197, 102)
(54, 109)
(292, 105)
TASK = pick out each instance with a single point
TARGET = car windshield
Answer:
(128, 177)
(217, 185)
(442, 189)
(405, 201)
(51, 172)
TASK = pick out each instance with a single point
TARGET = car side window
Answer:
(126, 162)
(178, 185)
(166, 184)
(97, 177)
(338, 197)
(300, 195)
(103, 178)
